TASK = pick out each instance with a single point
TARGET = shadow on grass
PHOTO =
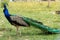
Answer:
(37, 34)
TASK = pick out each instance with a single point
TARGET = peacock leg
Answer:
(17, 30)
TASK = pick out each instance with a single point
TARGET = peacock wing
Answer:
(19, 20)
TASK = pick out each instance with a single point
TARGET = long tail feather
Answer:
(42, 27)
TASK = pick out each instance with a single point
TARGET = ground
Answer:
(34, 10)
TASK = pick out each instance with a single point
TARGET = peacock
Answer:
(17, 20)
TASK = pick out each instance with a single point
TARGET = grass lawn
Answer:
(35, 11)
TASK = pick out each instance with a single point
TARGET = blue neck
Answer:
(6, 13)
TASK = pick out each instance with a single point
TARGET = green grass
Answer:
(35, 11)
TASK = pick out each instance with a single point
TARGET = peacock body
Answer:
(26, 22)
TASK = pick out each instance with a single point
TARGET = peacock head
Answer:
(4, 5)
